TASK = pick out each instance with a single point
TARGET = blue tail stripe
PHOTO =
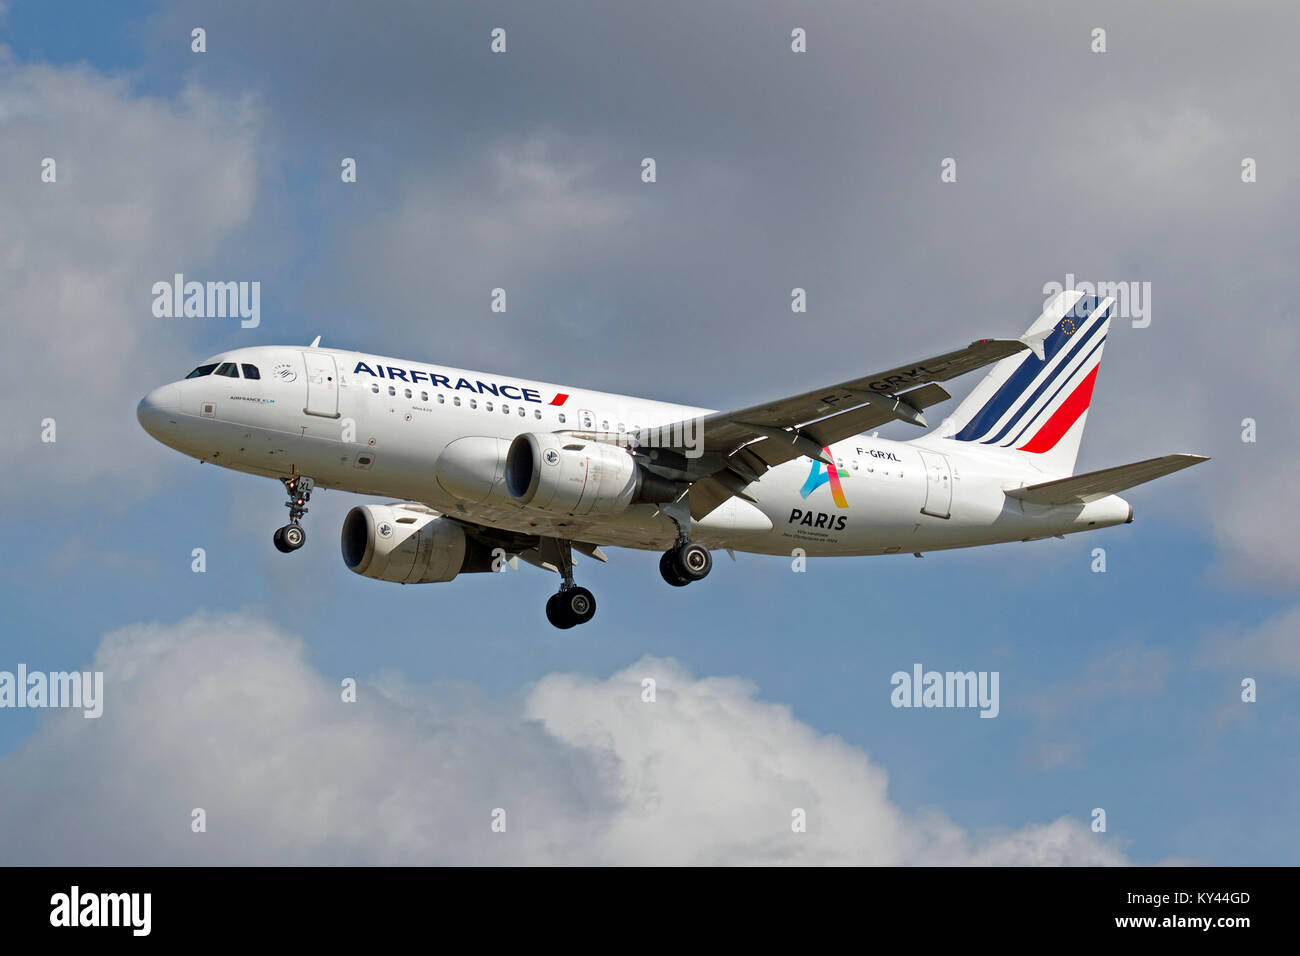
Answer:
(1080, 341)
(1028, 424)
(1029, 369)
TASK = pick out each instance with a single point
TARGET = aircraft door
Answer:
(938, 485)
(322, 385)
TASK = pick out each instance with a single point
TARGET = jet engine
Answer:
(409, 544)
(559, 473)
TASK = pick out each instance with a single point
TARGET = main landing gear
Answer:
(292, 536)
(571, 605)
(685, 561)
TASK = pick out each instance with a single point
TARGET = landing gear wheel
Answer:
(290, 538)
(691, 561)
(570, 607)
(278, 538)
(555, 614)
(669, 570)
(579, 604)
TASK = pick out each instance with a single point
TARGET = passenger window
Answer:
(392, 390)
(250, 371)
(561, 418)
(424, 396)
(537, 413)
(228, 369)
(473, 403)
(455, 400)
(488, 406)
(505, 409)
(202, 370)
(407, 392)
(441, 400)
(374, 387)
(523, 412)
(604, 426)
(620, 428)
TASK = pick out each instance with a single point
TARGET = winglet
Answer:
(314, 342)
(1035, 342)
(1045, 324)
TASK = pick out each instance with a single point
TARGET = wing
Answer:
(724, 430)
(731, 450)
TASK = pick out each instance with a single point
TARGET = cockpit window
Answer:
(202, 370)
(250, 371)
(228, 369)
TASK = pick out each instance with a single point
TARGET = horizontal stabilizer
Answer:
(1080, 489)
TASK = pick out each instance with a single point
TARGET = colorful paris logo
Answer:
(822, 473)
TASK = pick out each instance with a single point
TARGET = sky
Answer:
(1120, 690)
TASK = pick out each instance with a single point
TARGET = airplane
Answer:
(489, 469)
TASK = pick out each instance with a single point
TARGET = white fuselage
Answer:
(378, 426)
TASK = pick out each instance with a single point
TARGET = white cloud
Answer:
(145, 188)
(225, 713)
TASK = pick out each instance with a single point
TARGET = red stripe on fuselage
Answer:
(1065, 416)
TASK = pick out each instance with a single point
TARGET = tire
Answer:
(692, 561)
(293, 536)
(668, 569)
(278, 538)
(555, 613)
(579, 605)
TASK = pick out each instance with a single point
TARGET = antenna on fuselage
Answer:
(314, 342)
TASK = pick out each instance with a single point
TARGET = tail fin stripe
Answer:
(1029, 422)
(1012, 389)
(1065, 416)
(1027, 411)
(1030, 408)
(1003, 398)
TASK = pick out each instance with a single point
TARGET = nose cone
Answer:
(158, 410)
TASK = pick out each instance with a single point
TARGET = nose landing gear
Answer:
(292, 536)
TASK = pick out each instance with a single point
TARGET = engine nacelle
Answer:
(573, 476)
(408, 544)
(473, 469)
